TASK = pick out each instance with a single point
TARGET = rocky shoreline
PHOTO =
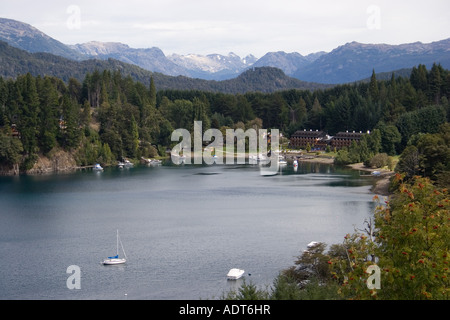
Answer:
(59, 161)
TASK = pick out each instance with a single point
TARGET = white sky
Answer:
(239, 26)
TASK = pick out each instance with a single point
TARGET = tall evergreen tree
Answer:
(70, 133)
(373, 87)
(316, 115)
(419, 79)
(435, 83)
(152, 94)
(28, 118)
(48, 116)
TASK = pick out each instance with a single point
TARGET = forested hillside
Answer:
(108, 116)
(15, 62)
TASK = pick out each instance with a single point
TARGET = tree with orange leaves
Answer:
(410, 246)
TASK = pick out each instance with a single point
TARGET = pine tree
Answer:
(435, 84)
(28, 123)
(316, 115)
(86, 117)
(373, 87)
(152, 92)
(135, 137)
(3, 99)
(48, 116)
(418, 78)
(200, 113)
(70, 133)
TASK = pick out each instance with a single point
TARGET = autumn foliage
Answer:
(409, 243)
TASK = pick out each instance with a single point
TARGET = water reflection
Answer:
(183, 227)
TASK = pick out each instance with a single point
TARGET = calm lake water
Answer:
(182, 227)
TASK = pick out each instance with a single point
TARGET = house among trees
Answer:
(14, 132)
(315, 139)
(345, 139)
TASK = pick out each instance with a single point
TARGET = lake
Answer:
(182, 227)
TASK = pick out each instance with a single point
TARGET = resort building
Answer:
(345, 139)
(315, 139)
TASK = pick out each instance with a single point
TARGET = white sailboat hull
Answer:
(114, 261)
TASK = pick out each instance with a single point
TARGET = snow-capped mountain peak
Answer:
(213, 63)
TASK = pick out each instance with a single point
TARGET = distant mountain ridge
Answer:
(213, 66)
(28, 38)
(290, 63)
(152, 59)
(15, 62)
(348, 63)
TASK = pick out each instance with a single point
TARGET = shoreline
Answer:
(46, 166)
(382, 183)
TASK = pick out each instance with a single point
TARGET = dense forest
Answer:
(109, 116)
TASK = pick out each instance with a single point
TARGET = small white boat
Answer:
(295, 163)
(128, 164)
(155, 162)
(235, 274)
(281, 161)
(260, 158)
(98, 167)
(312, 244)
(121, 165)
(116, 260)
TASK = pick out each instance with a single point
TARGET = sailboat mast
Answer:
(117, 242)
(123, 250)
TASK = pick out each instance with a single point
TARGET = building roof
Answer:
(350, 135)
(308, 134)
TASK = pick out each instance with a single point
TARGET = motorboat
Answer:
(98, 167)
(235, 274)
(128, 164)
(155, 162)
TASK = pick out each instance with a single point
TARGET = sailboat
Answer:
(116, 259)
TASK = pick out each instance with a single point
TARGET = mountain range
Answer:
(348, 63)
(14, 62)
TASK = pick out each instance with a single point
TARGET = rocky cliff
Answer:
(58, 161)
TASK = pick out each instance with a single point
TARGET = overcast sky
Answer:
(240, 26)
